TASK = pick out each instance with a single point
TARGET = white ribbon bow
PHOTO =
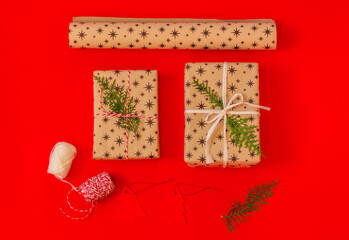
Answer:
(223, 114)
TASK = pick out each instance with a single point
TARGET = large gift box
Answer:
(222, 114)
(126, 114)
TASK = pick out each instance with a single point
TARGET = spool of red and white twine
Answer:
(93, 189)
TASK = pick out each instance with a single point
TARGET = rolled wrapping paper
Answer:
(140, 33)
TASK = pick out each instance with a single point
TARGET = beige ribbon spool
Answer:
(61, 158)
(223, 114)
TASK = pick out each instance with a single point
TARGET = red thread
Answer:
(150, 185)
(93, 189)
(126, 129)
(202, 188)
(135, 114)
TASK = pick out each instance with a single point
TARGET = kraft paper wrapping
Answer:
(138, 33)
(109, 138)
(241, 78)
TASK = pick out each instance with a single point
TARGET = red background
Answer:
(46, 97)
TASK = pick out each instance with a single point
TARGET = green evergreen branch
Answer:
(115, 97)
(254, 200)
(243, 134)
(208, 92)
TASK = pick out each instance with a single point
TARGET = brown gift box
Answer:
(137, 33)
(241, 78)
(109, 137)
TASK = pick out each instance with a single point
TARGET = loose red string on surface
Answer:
(150, 185)
(178, 201)
(93, 189)
(201, 188)
(135, 114)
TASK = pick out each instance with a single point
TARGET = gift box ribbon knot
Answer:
(222, 114)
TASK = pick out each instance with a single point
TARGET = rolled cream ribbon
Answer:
(61, 158)
(222, 114)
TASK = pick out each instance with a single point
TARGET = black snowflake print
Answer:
(112, 34)
(144, 34)
(175, 33)
(236, 32)
(201, 141)
(82, 35)
(201, 71)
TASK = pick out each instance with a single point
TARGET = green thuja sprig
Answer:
(256, 197)
(242, 133)
(115, 97)
(208, 92)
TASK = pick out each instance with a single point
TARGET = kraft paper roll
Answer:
(140, 33)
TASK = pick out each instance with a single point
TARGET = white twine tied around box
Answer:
(222, 114)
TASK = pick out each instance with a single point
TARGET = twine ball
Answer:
(97, 187)
(61, 158)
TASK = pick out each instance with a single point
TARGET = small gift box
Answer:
(126, 114)
(222, 114)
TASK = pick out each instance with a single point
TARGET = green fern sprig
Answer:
(208, 92)
(254, 200)
(243, 134)
(115, 97)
